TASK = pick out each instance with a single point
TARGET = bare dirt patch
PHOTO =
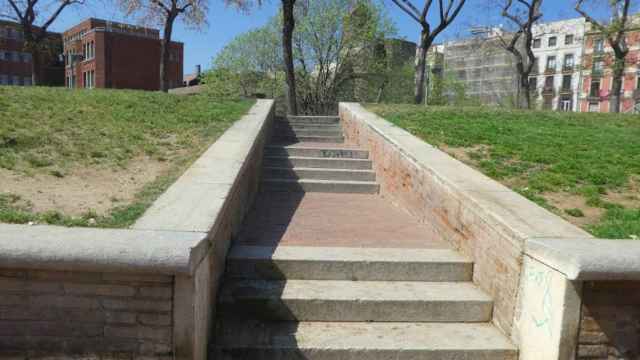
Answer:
(97, 189)
(566, 201)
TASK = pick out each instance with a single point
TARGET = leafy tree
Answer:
(614, 33)
(26, 13)
(333, 47)
(447, 13)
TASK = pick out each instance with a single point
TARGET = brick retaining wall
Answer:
(57, 313)
(610, 324)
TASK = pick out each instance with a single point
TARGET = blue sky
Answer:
(225, 23)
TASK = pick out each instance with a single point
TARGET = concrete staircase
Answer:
(308, 154)
(358, 303)
(351, 303)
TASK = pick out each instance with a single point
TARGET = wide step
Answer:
(319, 174)
(324, 163)
(326, 186)
(328, 300)
(330, 263)
(312, 120)
(316, 152)
(300, 138)
(361, 341)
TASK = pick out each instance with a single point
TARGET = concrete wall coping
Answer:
(588, 259)
(503, 208)
(170, 238)
(97, 250)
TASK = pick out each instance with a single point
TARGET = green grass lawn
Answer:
(583, 166)
(54, 132)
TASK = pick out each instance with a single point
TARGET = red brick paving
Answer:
(325, 219)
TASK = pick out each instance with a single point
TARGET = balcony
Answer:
(549, 71)
(548, 91)
(597, 73)
(566, 91)
(568, 68)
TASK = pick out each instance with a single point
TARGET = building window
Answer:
(27, 81)
(4, 79)
(568, 39)
(536, 66)
(598, 46)
(2, 55)
(595, 88)
(598, 67)
(565, 104)
(26, 57)
(537, 43)
(548, 83)
(552, 41)
(88, 79)
(594, 107)
(568, 62)
(17, 80)
(638, 81)
(551, 63)
(89, 50)
(566, 82)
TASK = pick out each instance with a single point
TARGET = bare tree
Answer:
(519, 43)
(165, 12)
(447, 13)
(614, 33)
(288, 25)
(26, 12)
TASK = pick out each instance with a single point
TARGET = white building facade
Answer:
(558, 48)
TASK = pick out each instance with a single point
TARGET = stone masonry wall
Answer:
(105, 315)
(610, 324)
(497, 256)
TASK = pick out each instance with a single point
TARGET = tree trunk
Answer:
(287, 48)
(421, 65)
(165, 49)
(35, 67)
(616, 85)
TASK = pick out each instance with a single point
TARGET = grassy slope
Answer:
(540, 153)
(54, 130)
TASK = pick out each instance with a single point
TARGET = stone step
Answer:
(316, 152)
(320, 162)
(335, 300)
(326, 186)
(318, 174)
(282, 125)
(307, 132)
(360, 341)
(317, 139)
(312, 119)
(342, 263)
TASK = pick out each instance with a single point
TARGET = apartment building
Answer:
(107, 54)
(598, 75)
(557, 47)
(483, 66)
(16, 64)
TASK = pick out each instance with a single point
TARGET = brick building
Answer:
(16, 64)
(106, 54)
(597, 72)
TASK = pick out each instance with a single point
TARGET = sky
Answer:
(224, 23)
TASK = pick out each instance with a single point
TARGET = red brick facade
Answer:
(120, 56)
(610, 326)
(597, 74)
(16, 64)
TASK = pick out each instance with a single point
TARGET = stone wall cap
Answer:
(98, 250)
(587, 259)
